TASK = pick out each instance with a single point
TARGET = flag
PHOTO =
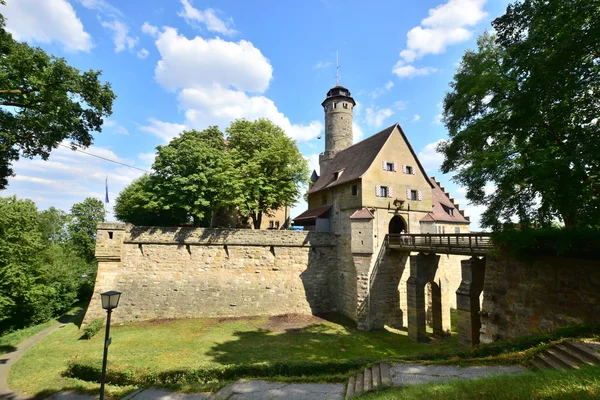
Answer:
(106, 185)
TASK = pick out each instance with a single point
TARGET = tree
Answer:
(187, 175)
(265, 168)
(44, 101)
(85, 216)
(138, 204)
(53, 225)
(523, 115)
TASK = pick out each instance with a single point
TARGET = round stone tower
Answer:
(338, 123)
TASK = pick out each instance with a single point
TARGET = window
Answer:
(334, 105)
(414, 195)
(448, 210)
(345, 105)
(389, 166)
(410, 170)
(383, 191)
(354, 190)
(457, 230)
(336, 175)
(276, 224)
(270, 224)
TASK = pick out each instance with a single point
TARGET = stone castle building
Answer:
(379, 179)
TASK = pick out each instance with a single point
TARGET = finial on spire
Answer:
(337, 67)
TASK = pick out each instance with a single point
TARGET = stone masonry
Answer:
(192, 273)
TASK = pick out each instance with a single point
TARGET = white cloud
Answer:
(115, 127)
(431, 159)
(214, 78)
(101, 5)
(201, 63)
(164, 130)
(121, 36)
(438, 119)
(375, 116)
(150, 29)
(313, 162)
(46, 21)
(69, 177)
(143, 53)
(447, 24)
(207, 17)
(400, 105)
(416, 118)
(410, 71)
(322, 64)
(357, 133)
(382, 90)
(147, 159)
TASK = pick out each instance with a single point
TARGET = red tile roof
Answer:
(363, 213)
(440, 199)
(312, 214)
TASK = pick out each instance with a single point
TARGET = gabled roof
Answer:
(356, 160)
(363, 213)
(441, 199)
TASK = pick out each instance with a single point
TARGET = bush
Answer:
(92, 328)
(91, 371)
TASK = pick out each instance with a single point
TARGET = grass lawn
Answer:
(9, 342)
(169, 345)
(555, 385)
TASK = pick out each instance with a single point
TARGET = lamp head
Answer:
(110, 299)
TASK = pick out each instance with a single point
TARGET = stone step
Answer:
(359, 385)
(584, 351)
(538, 364)
(350, 388)
(549, 362)
(374, 378)
(386, 377)
(376, 374)
(560, 358)
(574, 355)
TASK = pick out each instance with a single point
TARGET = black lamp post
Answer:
(110, 300)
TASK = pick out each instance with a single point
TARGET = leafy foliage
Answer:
(44, 101)
(92, 328)
(522, 114)
(82, 227)
(41, 267)
(198, 175)
(266, 168)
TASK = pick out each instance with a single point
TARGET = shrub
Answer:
(92, 328)
(117, 375)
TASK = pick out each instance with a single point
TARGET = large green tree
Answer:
(266, 169)
(522, 114)
(187, 172)
(139, 204)
(82, 226)
(44, 101)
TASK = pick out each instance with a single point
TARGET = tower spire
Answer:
(337, 68)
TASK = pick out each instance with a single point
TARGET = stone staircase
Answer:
(374, 378)
(567, 355)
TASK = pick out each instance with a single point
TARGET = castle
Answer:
(379, 178)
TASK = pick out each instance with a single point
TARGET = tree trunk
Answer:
(257, 218)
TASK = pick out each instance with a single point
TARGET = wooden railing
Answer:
(457, 243)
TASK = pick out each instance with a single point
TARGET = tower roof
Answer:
(339, 91)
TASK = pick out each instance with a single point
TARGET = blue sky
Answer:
(180, 64)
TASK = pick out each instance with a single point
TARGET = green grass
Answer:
(153, 347)
(9, 342)
(555, 385)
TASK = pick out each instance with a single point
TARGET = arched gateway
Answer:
(397, 225)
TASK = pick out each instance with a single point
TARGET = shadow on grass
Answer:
(314, 343)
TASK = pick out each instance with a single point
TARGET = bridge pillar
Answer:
(422, 271)
(467, 300)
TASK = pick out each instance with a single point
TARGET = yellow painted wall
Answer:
(396, 150)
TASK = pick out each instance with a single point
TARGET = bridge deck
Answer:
(458, 243)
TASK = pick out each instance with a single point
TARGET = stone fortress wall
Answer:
(192, 273)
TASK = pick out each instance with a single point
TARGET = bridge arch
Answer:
(397, 225)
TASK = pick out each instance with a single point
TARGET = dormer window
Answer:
(448, 210)
(336, 175)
